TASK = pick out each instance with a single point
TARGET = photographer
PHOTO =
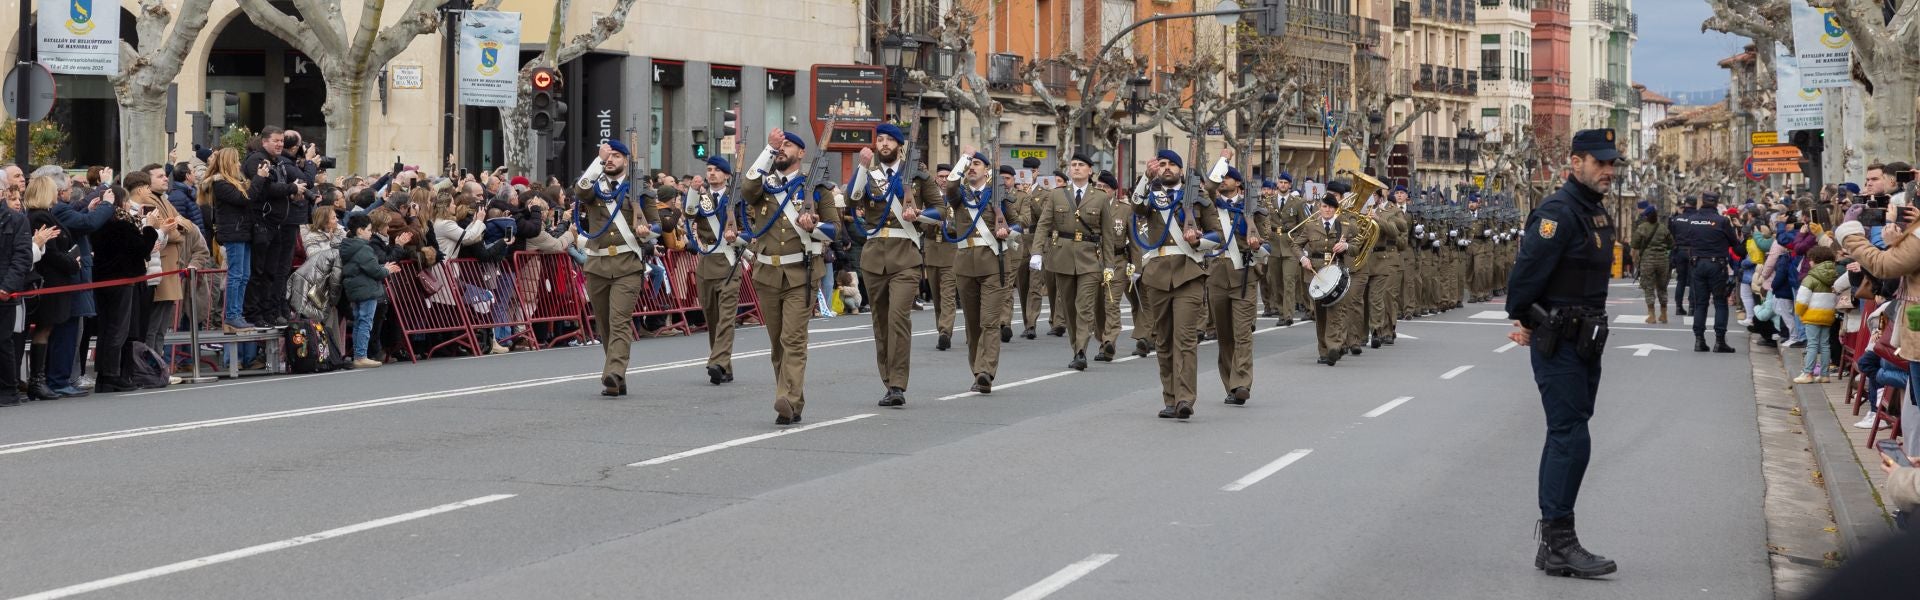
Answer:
(1900, 259)
(273, 235)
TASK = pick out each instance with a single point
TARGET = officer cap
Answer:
(1030, 163)
(1710, 199)
(943, 167)
(1080, 157)
(1597, 143)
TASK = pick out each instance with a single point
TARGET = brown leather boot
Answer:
(1651, 317)
(1663, 312)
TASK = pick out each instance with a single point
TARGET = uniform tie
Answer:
(1076, 196)
(889, 172)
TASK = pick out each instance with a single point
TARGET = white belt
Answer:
(782, 259)
(975, 243)
(898, 232)
(610, 251)
(1165, 251)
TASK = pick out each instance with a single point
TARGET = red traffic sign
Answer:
(1748, 168)
(544, 78)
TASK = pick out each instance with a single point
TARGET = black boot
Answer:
(1720, 344)
(1560, 553)
(1079, 362)
(37, 364)
(1700, 343)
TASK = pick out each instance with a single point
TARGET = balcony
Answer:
(1003, 71)
(1322, 24)
(1490, 72)
(1633, 23)
(1517, 73)
(1366, 33)
(1605, 11)
(1604, 89)
(1057, 77)
(1447, 11)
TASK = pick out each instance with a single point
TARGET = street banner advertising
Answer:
(849, 94)
(1796, 107)
(77, 40)
(1823, 49)
(489, 58)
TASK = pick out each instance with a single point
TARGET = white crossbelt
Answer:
(981, 237)
(792, 214)
(898, 215)
(719, 236)
(1233, 246)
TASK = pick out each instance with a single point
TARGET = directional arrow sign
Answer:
(1645, 349)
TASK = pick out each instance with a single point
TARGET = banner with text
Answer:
(489, 58)
(1796, 107)
(1823, 49)
(80, 37)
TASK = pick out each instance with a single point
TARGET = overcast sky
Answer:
(1672, 54)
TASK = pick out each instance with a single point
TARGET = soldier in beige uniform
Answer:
(1033, 288)
(1071, 219)
(1322, 241)
(1229, 275)
(1284, 274)
(715, 233)
(886, 199)
(937, 269)
(977, 224)
(1168, 223)
(786, 231)
(1116, 280)
(614, 223)
(1383, 288)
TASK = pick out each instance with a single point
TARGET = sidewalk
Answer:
(1845, 466)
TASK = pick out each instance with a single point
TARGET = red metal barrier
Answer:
(489, 291)
(430, 301)
(749, 310)
(549, 290)
(657, 302)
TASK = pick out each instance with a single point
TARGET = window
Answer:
(1041, 133)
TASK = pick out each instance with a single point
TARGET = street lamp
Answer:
(890, 50)
(1138, 88)
(910, 53)
(944, 59)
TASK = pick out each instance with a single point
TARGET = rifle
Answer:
(812, 168)
(733, 189)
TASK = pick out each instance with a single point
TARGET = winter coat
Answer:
(234, 212)
(16, 254)
(121, 250)
(182, 196)
(58, 266)
(1816, 300)
(1897, 261)
(362, 275)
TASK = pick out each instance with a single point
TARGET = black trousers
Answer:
(1569, 385)
(1707, 280)
(9, 350)
(272, 265)
(116, 326)
(1681, 278)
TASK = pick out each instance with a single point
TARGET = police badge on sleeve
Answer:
(1547, 228)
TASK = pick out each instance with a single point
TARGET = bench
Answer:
(270, 345)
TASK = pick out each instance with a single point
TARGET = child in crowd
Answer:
(1815, 304)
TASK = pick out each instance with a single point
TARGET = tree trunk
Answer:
(346, 112)
(143, 131)
(1890, 116)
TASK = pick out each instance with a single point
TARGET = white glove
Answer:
(1453, 233)
(1849, 229)
(1488, 232)
(1034, 262)
(1419, 228)
(594, 171)
(1436, 243)
(1463, 243)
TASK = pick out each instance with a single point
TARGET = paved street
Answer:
(1405, 472)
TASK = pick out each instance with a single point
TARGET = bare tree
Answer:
(516, 122)
(349, 60)
(1889, 62)
(1271, 76)
(1109, 76)
(141, 85)
(966, 88)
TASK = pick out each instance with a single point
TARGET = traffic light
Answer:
(549, 111)
(730, 122)
(1809, 141)
(700, 143)
(1272, 18)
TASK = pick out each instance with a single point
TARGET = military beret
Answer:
(1172, 157)
(890, 130)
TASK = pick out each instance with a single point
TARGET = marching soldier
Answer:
(1229, 274)
(786, 232)
(1321, 242)
(1116, 280)
(1480, 252)
(1285, 276)
(1012, 253)
(1383, 292)
(714, 238)
(887, 199)
(1167, 224)
(1034, 290)
(614, 227)
(1071, 220)
(978, 229)
(937, 269)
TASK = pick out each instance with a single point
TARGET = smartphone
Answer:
(1892, 450)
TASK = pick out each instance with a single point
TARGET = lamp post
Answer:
(1138, 88)
(1467, 147)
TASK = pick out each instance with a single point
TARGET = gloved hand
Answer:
(1853, 213)
(594, 171)
(1034, 262)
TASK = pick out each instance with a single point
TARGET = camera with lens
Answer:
(326, 162)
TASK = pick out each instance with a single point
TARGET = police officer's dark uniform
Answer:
(1679, 261)
(1703, 240)
(1558, 291)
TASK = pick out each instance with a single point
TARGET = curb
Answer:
(1861, 520)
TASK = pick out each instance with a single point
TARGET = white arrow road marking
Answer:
(92, 586)
(1645, 349)
(1060, 579)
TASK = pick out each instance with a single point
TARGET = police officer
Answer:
(1704, 239)
(1557, 297)
(1677, 260)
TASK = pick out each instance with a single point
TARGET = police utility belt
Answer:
(1582, 326)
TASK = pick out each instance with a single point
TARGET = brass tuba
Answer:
(1352, 206)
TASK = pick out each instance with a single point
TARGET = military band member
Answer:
(786, 232)
(1321, 242)
(1383, 285)
(1168, 224)
(977, 227)
(1071, 220)
(887, 200)
(713, 233)
(614, 224)
(1229, 274)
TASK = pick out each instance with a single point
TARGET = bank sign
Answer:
(489, 59)
(79, 37)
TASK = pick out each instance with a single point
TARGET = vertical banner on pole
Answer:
(79, 37)
(1822, 47)
(1796, 107)
(489, 61)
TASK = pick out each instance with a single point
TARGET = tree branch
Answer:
(420, 19)
(288, 28)
(603, 28)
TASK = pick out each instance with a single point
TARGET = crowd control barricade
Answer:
(749, 311)
(428, 301)
(660, 299)
(490, 292)
(550, 289)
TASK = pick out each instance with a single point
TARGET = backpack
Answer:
(144, 368)
(309, 349)
(314, 288)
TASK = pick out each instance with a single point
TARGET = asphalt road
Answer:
(1406, 472)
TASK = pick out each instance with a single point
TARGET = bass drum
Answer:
(1329, 284)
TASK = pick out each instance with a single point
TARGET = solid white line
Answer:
(1505, 348)
(1456, 371)
(840, 329)
(1509, 324)
(743, 441)
(93, 586)
(1012, 384)
(1266, 471)
(1062, 578)
(210, 373)
(1497, 315)
(1387, 407)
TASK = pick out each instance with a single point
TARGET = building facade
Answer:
(1552, 68)
(1505, 29)
(1602, 52)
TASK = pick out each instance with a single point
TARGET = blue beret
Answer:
(1287, 177)
(1850, 187)
(1647, 212)
(1399, 188)
(890, 130)
(981, 157)
(1234, 174)
(1172, 157)
(795, 138)
(720, 162)
(618, 146)
(1269, 184)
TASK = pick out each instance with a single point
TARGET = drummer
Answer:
(1322, 242)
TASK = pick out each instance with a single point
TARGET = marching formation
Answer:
(1193, 253)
